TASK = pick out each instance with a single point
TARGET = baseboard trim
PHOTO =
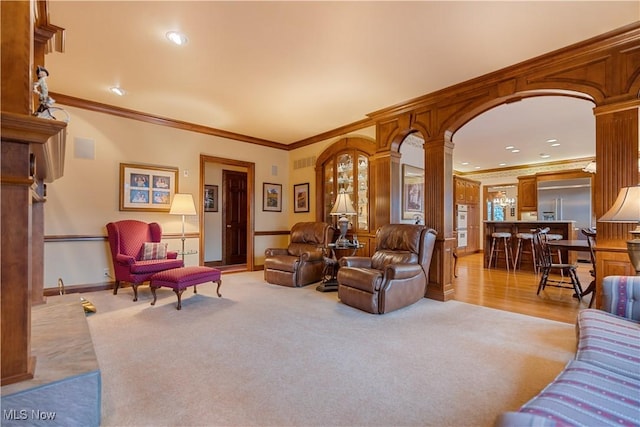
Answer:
(78, 289)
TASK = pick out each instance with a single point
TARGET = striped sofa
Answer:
(601, 386)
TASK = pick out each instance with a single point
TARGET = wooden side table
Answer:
(331, 265)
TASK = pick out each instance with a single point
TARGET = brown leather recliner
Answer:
(303, 261)
(395, 276)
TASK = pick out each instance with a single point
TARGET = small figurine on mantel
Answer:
(40, 87)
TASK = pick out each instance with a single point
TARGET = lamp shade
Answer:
(182, 204)
(626, 208)
(343, 205)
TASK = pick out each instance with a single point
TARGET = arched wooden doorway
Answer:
(586, 70)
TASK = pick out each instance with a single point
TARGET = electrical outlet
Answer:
(106, 272)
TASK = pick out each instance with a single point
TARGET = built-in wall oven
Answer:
(462, 211)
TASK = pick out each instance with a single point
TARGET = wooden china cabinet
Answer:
(344, 167)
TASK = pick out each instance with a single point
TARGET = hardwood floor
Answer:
(516, 291)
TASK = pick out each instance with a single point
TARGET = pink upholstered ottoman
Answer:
(181, 278)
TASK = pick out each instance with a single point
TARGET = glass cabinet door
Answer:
(348, 171)
(363, 192)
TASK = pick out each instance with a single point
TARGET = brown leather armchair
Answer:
(303, 261)
(395, 276)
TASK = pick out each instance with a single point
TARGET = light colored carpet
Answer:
(266, 355)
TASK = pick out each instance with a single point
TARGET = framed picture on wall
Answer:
(271, 197)
(412, 191)
(301, 198)
(210, 198)
(146, 188)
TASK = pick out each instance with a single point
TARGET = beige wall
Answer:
(86, 198)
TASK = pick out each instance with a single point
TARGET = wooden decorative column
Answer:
(616, 167)
(438, 166)
(385, 179)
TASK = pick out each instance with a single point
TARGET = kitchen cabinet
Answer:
(473, 229)
(472, 192)
(460, 190)
(467, 193)
(527, 194)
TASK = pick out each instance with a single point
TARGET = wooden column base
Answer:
(23, 376)
(440, 285)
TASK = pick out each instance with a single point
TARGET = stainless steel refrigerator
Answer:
(568, 199)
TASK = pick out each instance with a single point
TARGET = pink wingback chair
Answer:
(135, 258)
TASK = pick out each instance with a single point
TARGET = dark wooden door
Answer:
(234, 222)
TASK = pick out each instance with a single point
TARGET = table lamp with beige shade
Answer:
(343, 207)
(626, 209)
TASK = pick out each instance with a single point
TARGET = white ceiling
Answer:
(286, 71)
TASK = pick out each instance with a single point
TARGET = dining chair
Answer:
(590, 234)
(547, 266)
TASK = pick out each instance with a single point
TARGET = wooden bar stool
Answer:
(501, 239)
(520, 249)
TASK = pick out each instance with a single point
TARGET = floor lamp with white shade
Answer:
(182, 204)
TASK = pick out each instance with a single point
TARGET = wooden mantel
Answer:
(48, 137)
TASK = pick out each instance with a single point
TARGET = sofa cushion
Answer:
(153, 250)
(609, 341)
(587, 395)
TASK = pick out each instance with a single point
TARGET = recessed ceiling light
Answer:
(117, 90)
(477, 167)
(465, 163)
(177, 37)
(545, 156)
(552, 140)
(502, 164)
(515, 150)
(509, 147)
(555, 144)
